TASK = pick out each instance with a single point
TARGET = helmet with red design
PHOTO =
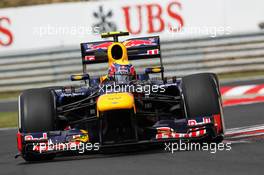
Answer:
(121, 72)
(120, 69)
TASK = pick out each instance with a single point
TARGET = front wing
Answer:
(76, 140)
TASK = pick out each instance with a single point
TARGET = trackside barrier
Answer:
(52, 67)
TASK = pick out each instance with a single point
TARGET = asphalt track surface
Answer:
(244, 158)
(8, 106)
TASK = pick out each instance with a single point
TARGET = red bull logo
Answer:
(31, 138)
(99, 46)
(129, 43)
(194, 122)
(133, 43)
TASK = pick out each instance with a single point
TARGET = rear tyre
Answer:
(37, 111)
(202, 96)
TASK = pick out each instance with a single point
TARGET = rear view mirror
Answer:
(79, 77)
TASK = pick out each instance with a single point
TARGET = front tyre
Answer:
(202, 97)
(37, 111)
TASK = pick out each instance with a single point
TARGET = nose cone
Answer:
(115, 101)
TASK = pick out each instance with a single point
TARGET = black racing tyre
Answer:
(37, 113)
(201, 95)
(37, 110)
(202, 98)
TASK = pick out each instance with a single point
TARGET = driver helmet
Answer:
(121, 72)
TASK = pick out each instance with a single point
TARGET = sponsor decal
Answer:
(81, 137)
(176, 135)
(153, 52)
(31, 137)
(103, 46)
(156, 20)
(6, 36)
(159, 18)
(133, 43)
(103, 20)
(166, 132)
(89, 58)
(194, 122)
(164, 129)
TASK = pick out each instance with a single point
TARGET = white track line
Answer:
(8, 129)
(247, 135)
(245, 129)
(243, 103)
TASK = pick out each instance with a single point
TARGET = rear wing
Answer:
(137, 48)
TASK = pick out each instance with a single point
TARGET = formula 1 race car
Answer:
(119, 109)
